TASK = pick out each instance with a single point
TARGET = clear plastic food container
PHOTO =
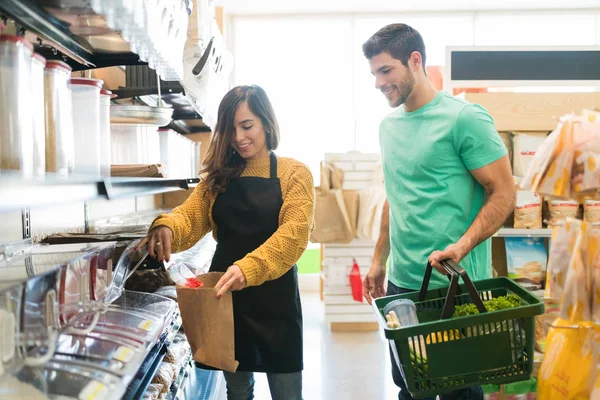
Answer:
(85, 95)
(134, 144)
(38, 63)
(118, 356)
(105, 96)
(158, 306)
(59, 118)
(10, 320)
(63, 381)
(16, 135)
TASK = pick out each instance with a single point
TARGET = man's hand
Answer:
(455, 252)
(373, 282)
(233, 279)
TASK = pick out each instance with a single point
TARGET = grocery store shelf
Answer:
(17, 193)
(146, 372)
(511, 232)
(55, 32)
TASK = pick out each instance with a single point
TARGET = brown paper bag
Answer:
(332, 222)
(208, 323)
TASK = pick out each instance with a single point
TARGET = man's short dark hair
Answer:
(400, 40)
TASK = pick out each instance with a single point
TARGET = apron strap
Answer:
(273, 166)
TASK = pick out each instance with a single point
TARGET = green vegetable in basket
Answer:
(495, 304)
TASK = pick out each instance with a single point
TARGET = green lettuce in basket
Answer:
(495, 304)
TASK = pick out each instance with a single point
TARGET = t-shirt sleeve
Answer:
(476, 138)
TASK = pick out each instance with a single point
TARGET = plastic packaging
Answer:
(562, 209)
(182, 276)
(10, 321)
(116, 279)
(119, 356)
(85, 95)
(134, 144)
(405, 310)
(59, 118)
(528, 211)
(105, 96)
(16, 134)
(526, 261)
(158, 306)
(165, 376)
(76, 382)
(38, 64)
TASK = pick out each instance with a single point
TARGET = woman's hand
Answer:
(233, 279)
(159, 243)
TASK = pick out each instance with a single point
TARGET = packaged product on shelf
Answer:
(526, 261)
(540, 162)
(556, 179)
(528, 211)
(177, 353)
(591, 211)
(565, 239)
(153, 392)
(164, 376)
(525, 146)
(570, 365)
(544, 322)
(561, 210)
(586, 174)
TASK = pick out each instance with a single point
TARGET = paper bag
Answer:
(332, 222)
(208, 323)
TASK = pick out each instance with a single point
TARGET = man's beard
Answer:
(405, 89)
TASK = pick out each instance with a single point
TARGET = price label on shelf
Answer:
(124, 354)
(146, 325)
(94, 391)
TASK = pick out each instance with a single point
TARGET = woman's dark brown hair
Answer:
(223, 164)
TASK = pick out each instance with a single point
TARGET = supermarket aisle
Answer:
(338, 365)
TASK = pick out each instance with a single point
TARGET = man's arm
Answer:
(374, 282)
(497, 180)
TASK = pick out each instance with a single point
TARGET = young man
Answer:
(447, 176)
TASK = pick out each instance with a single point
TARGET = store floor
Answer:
(338, 365)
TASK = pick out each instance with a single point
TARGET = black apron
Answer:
(267, 318)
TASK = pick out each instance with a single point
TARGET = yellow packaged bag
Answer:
(564, 241)
(586, 166)
(541, 160)
(556, 180)
(569, 359)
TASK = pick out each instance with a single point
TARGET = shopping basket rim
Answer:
(534, 306)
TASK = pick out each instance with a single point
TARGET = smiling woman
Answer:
(260, 209)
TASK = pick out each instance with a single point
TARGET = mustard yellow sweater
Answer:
(193, 220)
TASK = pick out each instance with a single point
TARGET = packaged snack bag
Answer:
(556, 180)
(564, 239)
(591, 211)
(565, 371)
(561, 210)
(528, 211)
(541, 161)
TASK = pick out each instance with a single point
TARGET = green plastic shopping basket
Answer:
(439, 355)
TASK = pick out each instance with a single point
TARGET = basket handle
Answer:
(454, 272)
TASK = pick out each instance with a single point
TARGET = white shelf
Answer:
(510, 232)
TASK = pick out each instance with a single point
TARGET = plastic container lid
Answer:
(39, 57)
(87, 81)
(56, 64)
(405, 310)
(127, 261)
(16, 39)
(105, 92)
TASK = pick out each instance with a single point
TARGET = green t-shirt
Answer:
(427, 156)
